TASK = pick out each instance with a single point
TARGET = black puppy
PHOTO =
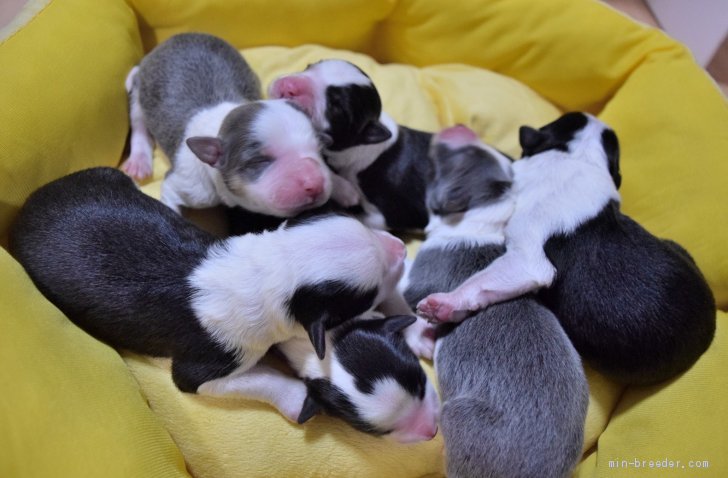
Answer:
(636, 307)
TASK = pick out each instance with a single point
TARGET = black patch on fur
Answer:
(353, 114)
(396, 182)
(610, 143)
(371, 350)
(636, 307)
(335, 403)
(327, 304)
(241, 221)
(556, 135)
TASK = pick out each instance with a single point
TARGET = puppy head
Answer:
(268, 154)
(345, 269)
(580, 135)
(375, 383)
(341, 100)
(465, 173)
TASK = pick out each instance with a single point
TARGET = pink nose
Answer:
(456, 136)
(286, 87)
(311, 178)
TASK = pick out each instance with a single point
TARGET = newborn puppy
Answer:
(636, 307)
(513, 391)
(200, 101)
(383, 161)
(134, 274)
(370, 379)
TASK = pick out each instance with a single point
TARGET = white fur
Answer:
(141, 145)
(243, 285)
(262, 383)
(192, 182)
(479, 226)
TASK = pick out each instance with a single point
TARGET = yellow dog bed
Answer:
(70, 407)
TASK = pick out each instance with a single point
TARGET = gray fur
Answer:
(186, 73)
(465, 179)
(513, 391)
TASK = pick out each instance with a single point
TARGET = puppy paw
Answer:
(138, 165)
(420, 337)
(343, 192)
(441, 308)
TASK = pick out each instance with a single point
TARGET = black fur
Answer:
(650, 313)
(555, 135)
(327, 304)
(396, 182)
(353, 114)
(70, 236)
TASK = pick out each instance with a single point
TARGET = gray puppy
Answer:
(199, 99)
(513, 391)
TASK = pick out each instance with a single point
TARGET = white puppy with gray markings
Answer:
(198, 98)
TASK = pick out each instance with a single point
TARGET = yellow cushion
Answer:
(682, 421)
(64, 108)
(62, 94)
(69, 406)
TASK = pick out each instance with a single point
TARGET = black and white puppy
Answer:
(370, 379)
(198, 98)
(385, 162)
(636, 307)
(510, 379)
(136, 275)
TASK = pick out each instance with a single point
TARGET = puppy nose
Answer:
(311, 178)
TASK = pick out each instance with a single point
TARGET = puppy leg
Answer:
(139, 163)
(420, 336)
(343, 192)
(262, 383)
(512, 274)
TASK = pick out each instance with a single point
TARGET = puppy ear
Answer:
(309, 409)
(374, 132)
(397, 323)
(317, 334)
(207, 148)
(610, 143)
(448, 202)
(530, 138)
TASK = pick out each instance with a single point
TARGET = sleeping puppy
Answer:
(198, 98)
(137, 276)
(514, 395)
(370, 379)
(636, 307)
(382, 160)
